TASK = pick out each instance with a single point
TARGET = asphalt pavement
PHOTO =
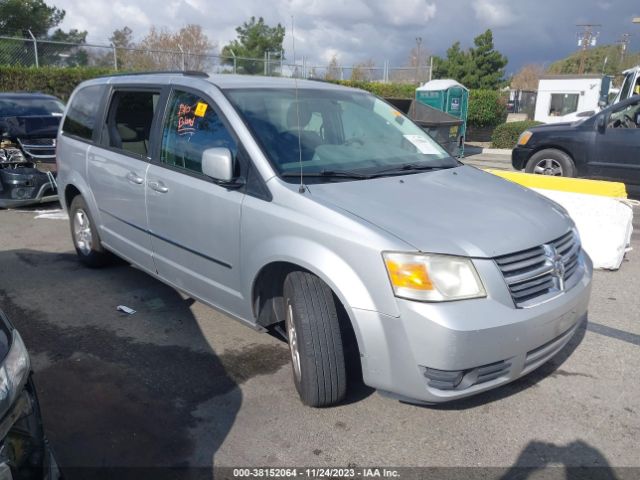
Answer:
(178, 384)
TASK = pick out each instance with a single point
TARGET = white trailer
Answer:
(562, 97)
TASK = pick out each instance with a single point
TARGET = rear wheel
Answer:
(315, 340)
(551, 162)
(85, 235)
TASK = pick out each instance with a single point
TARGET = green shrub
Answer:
(487, 108)
(506, 135)
(386, 90)
(54, 81)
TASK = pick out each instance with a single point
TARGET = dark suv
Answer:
(604, 146)
(28, 127)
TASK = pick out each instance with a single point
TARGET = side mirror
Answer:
(601, 124)
(217, 163)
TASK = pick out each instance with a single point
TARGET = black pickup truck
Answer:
(28, 127)
(605, 146)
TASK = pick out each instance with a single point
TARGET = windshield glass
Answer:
(29, 107)
(626, 86)
(338, 132)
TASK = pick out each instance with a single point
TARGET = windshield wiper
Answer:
(329, 174)
(408, 167)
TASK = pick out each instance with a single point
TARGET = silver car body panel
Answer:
(213, 242)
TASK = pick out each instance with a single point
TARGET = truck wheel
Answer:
(551, 162)
(315, 340)
(85, 235)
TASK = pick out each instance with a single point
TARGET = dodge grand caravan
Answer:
(323, 210)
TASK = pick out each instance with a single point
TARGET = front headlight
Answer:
(433, 277)
(524, 137)
(14, 372)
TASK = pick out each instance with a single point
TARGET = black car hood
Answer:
(551, 126)
(45, 126)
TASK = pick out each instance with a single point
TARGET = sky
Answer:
(526, 31)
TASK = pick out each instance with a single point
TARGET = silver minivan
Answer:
(324, 212)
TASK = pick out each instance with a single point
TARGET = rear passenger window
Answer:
(81, 114)
(190, 127)
(129, 121)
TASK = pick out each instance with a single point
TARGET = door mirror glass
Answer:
(217, 163)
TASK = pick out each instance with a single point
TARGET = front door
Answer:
(618, 146)
(117, 170)
(194, 223)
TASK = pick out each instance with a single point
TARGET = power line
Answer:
(586, 38)
(624, 44)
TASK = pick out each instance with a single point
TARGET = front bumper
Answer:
(24, 451)
(520, 157)
(26, 186)
(489, 340)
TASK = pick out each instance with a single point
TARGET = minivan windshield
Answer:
(336, 133)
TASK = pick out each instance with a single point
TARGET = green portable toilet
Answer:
(450, 97)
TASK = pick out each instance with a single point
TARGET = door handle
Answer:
(134, 178)
(158, 186)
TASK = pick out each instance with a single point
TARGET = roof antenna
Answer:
(301, 188)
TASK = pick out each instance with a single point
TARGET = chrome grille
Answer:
(39, 148)
(540, 271)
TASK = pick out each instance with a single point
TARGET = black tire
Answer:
(91, 253)
(310, 307)
(548, 160)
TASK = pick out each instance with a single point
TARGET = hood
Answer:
(45, 126)
(551, 126)
(459, 211)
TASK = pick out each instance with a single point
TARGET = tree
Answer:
(18, 16)
(60, 54)
(187, 49)
(490, 64)
(603, 59)
(334, 70)
(122, 40)
(527, 77)
(254, 39)
(478, 67)
(363, 71)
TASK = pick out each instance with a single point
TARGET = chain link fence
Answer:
(46, 53)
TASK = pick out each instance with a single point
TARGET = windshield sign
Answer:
(332, 133)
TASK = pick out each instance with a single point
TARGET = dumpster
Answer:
(449, 97)
(442, 127)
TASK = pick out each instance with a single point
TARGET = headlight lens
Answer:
(524, 137)
(13, 372)
(433, 277)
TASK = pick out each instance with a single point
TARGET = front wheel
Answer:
(315, 340)
(551, 162)
(85, 235)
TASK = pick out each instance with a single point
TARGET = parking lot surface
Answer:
(178, 384)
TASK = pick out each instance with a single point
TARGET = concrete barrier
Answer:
(564, 184)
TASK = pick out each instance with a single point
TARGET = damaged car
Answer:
(28, 127)
(24, 450)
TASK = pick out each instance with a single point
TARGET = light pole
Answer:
(418, 43)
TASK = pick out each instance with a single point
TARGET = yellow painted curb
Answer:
(564, 184)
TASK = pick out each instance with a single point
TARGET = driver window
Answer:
(628, 117)
(190, 127)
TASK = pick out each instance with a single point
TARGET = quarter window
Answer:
(130, 119)
(81, 114)
(190, 127)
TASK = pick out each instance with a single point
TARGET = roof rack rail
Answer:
(190, 73)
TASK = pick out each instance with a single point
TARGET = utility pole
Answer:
(587, 38)
(624, 44)
(418, 44)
